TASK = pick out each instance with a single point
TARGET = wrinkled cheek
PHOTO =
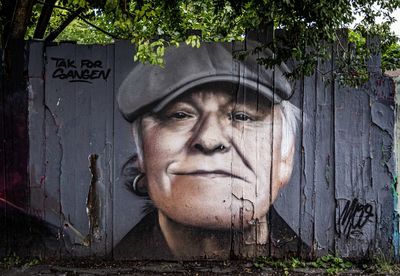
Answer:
(159, 186)
(156, 161)
(160, 149)
(264, 168)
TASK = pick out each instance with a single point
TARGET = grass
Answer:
(331, 264)
(381, 265)
(13, 260)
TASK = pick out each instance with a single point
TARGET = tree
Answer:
(152, 25)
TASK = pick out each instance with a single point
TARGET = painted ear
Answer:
(139, 185)
(138, 163)
(287, 156)
(139, 153)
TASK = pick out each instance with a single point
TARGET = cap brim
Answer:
(240, 81)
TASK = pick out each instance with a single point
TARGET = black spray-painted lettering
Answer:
(354, 216)
(88, 70)
(64, 62)
(91, 64)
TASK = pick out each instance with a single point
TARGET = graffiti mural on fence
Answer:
(208, 156)
(214, 146)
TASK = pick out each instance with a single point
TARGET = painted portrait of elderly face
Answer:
(211, 157)
(216, 153)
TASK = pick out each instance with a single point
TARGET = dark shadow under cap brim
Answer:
(151, 87)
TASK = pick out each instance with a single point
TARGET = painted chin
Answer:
(207, 200)
(214, 214)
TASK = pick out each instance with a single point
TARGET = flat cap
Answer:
(150, 87)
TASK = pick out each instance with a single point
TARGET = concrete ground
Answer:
(163, 268)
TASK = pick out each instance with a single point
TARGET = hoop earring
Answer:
(135, 188)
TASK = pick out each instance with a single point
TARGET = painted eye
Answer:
(241, 116)
(180, 115)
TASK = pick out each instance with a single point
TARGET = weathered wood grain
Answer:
(340, 199)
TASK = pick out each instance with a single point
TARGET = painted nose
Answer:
(210, 137)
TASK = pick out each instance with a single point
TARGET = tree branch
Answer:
(54, 6)
(44, 19)
(53, 35)
(50, 3)
(98, 28)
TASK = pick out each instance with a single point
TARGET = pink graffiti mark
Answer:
(9, 203)
(32, 211)
(14, 179)
(13, 189)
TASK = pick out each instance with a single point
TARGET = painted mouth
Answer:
(212, 173)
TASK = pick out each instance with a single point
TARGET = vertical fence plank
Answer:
(396, 225)
(383, 173)
(308, 148)
(243, 243)
(353, 172)
(324, 182)
(288, 202)
(128, 208)
(36, 128)
(37, 137)
(59, 100)
(79, 125)
(108, 160)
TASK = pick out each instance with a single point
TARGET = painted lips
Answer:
(210, 173)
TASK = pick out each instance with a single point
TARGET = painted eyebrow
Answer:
(195, 101)
(232, 104)
(161, 115)
(176, 106)
(248, 106)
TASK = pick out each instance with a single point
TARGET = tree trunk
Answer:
(14, 183)
(21, 15)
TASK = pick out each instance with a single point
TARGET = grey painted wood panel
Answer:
(308, 146)
(36, 129)
(339, 199)
(383, 182)
(352, 156)
(325, 158)
(80, 129)
(127, 207)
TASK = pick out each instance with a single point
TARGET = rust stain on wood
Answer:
(93, 201)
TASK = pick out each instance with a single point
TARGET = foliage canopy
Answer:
(153, 25)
